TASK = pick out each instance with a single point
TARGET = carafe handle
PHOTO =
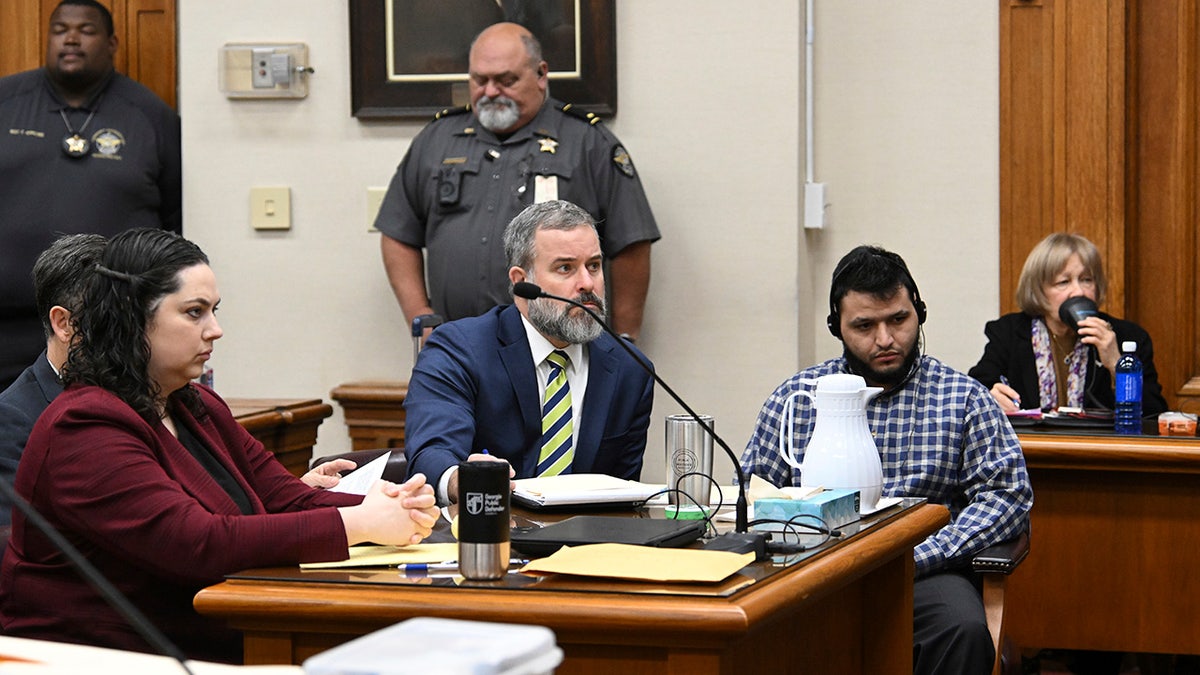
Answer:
(786, 450)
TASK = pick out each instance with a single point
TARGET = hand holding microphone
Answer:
(1099, 335)
(1081, 315)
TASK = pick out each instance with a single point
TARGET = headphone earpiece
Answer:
(920, 306)
(834, 323)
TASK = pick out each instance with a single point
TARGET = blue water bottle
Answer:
(1127, 416)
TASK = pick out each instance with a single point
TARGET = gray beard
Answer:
(554, 320)
(497, 114)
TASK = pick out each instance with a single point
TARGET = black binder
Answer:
(538, 542)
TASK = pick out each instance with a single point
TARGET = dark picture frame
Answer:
(423, 71)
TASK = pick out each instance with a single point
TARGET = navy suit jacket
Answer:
(20, 406)
(474, 388)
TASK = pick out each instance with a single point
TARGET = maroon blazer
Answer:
(133, 500)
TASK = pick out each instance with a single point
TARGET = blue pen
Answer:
(1004, 381)
(420, 569)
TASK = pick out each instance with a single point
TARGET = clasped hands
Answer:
(392, 514)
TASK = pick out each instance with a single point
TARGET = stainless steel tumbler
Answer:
(483, 520)
(689, 451)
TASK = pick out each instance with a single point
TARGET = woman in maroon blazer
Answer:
(150, 476)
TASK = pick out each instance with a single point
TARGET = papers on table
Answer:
(643, 563)
(42, 657)
(576, 489)
(370, 556)
(358, 481)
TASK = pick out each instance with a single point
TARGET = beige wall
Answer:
(710, 108)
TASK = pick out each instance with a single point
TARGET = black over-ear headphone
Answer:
(834, 320)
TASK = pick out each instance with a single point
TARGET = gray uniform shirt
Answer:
(459, 186)
(131, 177)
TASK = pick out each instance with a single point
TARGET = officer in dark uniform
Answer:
(473, 169)
(83, 149)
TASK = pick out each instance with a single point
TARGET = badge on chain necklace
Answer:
(73, 144)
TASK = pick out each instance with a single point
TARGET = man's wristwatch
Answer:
(629, 337)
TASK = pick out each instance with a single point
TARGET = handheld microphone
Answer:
(96, 580)
(1076, 309)
(1071, 312)
(750, 541)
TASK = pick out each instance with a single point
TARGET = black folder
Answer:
(537, 542)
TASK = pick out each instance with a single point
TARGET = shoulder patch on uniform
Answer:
(452, 111)
(623, 161)
(573, 111)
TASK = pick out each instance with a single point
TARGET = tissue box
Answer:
(835, 507)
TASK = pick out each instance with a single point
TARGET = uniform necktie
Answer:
(557, 449)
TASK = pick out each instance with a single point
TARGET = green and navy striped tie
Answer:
(557, 448)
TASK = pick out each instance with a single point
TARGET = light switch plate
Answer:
(271, 208)
(374, 201)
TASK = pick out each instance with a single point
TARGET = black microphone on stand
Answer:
(741, 539)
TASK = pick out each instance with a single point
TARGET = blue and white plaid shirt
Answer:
(941, 436)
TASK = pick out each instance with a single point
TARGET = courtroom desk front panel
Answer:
(844, 607)
(374, 413)
(287, 427)
(1115, 532)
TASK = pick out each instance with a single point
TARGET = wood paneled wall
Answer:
(145, 32)
(1098, 135)
(1163, 188)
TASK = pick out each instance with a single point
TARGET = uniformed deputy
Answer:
(83, 149)
(471, 170)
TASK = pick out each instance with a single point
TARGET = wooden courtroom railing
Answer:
(285, 426)
(374, 413)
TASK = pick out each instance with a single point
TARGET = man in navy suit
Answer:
(60, 276)
(477, 388)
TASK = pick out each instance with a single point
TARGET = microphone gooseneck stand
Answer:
(741, 539)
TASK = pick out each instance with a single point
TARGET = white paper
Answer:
(358, 481)
(60, 658)
(582, 488)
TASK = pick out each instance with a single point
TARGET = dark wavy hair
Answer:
(139, 268)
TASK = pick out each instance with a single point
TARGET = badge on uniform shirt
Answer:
(109, 143)
(623, 161)
(548, 145)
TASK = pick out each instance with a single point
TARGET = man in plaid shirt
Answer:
(940, 435)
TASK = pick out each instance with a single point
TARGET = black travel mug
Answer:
(483, 520)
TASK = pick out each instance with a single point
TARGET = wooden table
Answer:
(374, 413)
(285, 426)
(1113, 555)
(846, 608)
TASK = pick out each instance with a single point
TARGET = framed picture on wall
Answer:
(408, 58)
